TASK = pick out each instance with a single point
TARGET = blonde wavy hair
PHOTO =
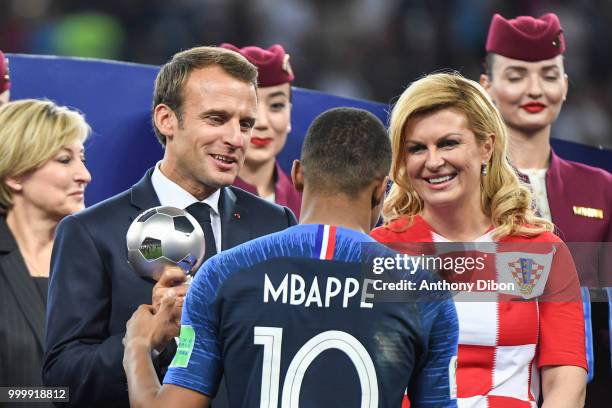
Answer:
(32, 132)
(503, 197)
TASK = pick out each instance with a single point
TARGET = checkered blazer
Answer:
(503, 344)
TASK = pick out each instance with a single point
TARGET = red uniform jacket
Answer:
(580, 201)
(285, 193)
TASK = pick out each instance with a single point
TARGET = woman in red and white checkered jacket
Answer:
(453, 183)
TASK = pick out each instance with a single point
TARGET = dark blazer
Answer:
(93, 291)
(22, 318)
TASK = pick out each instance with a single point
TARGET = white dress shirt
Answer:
(170, 193)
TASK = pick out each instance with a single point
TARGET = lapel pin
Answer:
(237, 215)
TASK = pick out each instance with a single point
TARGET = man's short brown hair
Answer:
(172, 77)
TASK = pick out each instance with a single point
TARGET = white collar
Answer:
(170, 193)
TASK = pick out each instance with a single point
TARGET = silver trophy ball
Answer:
(164, 236)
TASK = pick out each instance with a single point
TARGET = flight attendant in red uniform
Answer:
(453, 183)
(525, 75)
(261, 173)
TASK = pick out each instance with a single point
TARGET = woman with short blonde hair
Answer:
(42, 179)
(32, 132)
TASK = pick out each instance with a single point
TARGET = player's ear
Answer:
(378, 192)
(378, 197)
(297, 176)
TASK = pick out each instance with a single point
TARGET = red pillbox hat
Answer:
(5, 81)
(272, 64)
(526, 38)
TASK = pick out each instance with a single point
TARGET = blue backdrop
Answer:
(116, 99)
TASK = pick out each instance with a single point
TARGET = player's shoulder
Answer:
(292, 241)
(305, 241)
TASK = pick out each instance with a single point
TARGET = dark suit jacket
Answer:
(93, 291)
(22, 318)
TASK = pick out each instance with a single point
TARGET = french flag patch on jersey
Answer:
(325, 241)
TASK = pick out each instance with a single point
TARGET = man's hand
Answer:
(173, 277)
(148, 329)
(154, 329)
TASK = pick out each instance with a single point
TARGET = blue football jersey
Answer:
(285, 318)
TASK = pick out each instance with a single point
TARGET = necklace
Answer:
(34, 271)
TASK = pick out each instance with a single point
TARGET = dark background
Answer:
(368, 49)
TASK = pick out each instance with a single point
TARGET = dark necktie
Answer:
(201, 212)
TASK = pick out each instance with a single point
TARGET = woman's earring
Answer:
(484, 169)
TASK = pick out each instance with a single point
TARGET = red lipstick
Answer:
(260, 141)
(533, 107)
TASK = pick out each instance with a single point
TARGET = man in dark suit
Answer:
(203, 113)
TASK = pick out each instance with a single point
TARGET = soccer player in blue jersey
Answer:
(287, 318)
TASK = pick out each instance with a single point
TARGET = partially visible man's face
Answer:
(208, 148)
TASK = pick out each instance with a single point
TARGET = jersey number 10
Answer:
(271, 338)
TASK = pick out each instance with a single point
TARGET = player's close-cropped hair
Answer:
(504, 198)
(32, 132)
(344, 150)
(172, 77)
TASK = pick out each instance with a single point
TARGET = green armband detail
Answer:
(185, 347)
